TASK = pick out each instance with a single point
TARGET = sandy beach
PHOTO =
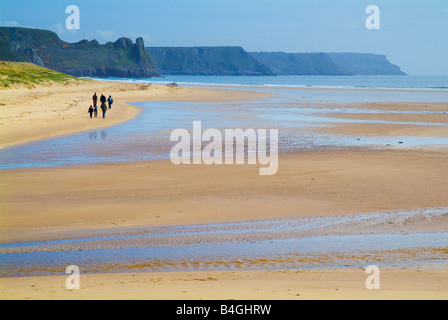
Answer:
(158, 193)
(334, 284)
(42, 112)
(41, 204)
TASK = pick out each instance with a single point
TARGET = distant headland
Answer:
(126, 59)
(236, 61)
(121, 58)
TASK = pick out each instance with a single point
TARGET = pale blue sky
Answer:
(413, 33)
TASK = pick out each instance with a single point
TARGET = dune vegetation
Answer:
(22, 73)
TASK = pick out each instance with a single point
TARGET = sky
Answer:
(412, 33)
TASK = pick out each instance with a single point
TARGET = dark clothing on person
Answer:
(110, 101)
(95, 99)
(95, 111)
(91, 111)
(103, 99)
(104, 109)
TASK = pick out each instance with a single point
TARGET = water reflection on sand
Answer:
(298, 115)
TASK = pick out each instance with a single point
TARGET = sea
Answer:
(347, 82)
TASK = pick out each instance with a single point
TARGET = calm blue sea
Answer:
(371, 82)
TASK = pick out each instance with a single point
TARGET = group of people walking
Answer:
(93, 109)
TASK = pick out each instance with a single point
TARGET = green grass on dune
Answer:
(21, 73)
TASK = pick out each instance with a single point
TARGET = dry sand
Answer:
(413, 283)
(36, 202)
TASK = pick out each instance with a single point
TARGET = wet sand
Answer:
(57, 203)
(406, 119)
(44, 112)
(37, 200)
(397, 238)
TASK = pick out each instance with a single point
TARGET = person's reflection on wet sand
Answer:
(93, 135)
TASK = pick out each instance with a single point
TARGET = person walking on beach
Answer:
(104, 109)
(102, 99)
(91, 111)
(110, 101)
(95, 111)
(95, 99)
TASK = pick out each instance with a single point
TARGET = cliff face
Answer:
(206, 61)
(282, 63)
(236, 61)
(327, 63)
(366, 64)
(121, 58)
(126, 59)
